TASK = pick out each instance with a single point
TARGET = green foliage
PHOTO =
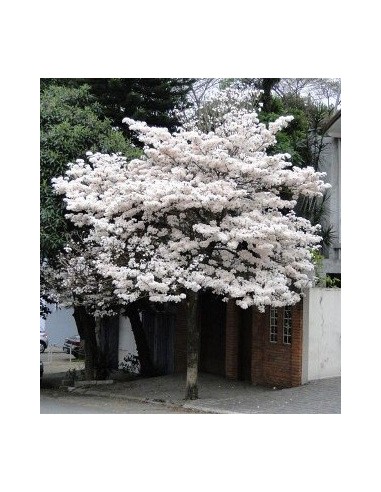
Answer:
(71, 123)
(78, 115)
(331, 282)
(146, 99)
(323, 280)
(303, 137)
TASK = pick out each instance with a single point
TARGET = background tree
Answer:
(200, 89)
(147, 99)
(75, 282)
(80, 115)
(319, 91)
(199, 211)
(72, 122)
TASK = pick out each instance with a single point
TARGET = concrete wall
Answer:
(331, 164)
(127, 345)
(322, 334)
(59, 325)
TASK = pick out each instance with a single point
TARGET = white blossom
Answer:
(197, 211)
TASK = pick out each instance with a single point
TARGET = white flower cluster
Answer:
(197, 211)
(74, 280)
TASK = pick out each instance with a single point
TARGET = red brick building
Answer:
(262, 348)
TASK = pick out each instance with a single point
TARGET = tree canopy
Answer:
(71, 123)
(207, 207)
(199, 211)
(147, 99)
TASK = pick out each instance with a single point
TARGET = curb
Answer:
(210, 410)
(186, 406)
(96, 382)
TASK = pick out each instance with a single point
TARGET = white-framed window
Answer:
(287, 325)
(273, 325)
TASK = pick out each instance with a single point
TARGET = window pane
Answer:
(273, 325)
(287, 325)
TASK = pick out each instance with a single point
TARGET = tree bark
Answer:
(267, 85)
(144, 354)
(86, 329)
(193, 346)
(102, 369)
(89, 330)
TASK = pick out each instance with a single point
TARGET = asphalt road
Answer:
(65, 403)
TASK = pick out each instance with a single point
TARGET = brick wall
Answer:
(277, 364)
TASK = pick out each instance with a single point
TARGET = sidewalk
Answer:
(216, 394)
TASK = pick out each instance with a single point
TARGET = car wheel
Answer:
(42, 347)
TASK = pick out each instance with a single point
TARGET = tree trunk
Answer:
(267, 86)
(86, 329)
(146, 366)
(193, 346)
(102, 369)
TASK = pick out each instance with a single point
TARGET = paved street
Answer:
(54, 402)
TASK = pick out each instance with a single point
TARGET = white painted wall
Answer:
(127, 343)
(322, 334)
(59, 325)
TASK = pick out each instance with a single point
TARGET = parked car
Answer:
(44, 341)
(73, 344)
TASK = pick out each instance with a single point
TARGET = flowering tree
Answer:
(198, 211)
(74, 281)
